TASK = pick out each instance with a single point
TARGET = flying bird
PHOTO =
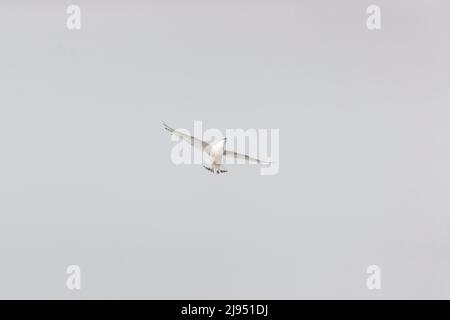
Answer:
(215, 150)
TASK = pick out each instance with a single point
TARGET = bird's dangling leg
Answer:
(209, 169)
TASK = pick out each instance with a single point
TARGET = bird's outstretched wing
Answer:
(244, 157)
(197, 143)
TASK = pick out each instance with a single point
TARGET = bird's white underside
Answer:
(215, 151)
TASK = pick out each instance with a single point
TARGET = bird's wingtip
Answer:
(167, 127)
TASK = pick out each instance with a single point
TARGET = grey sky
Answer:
(85, 170)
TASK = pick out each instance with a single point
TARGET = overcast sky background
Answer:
(86, 176)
